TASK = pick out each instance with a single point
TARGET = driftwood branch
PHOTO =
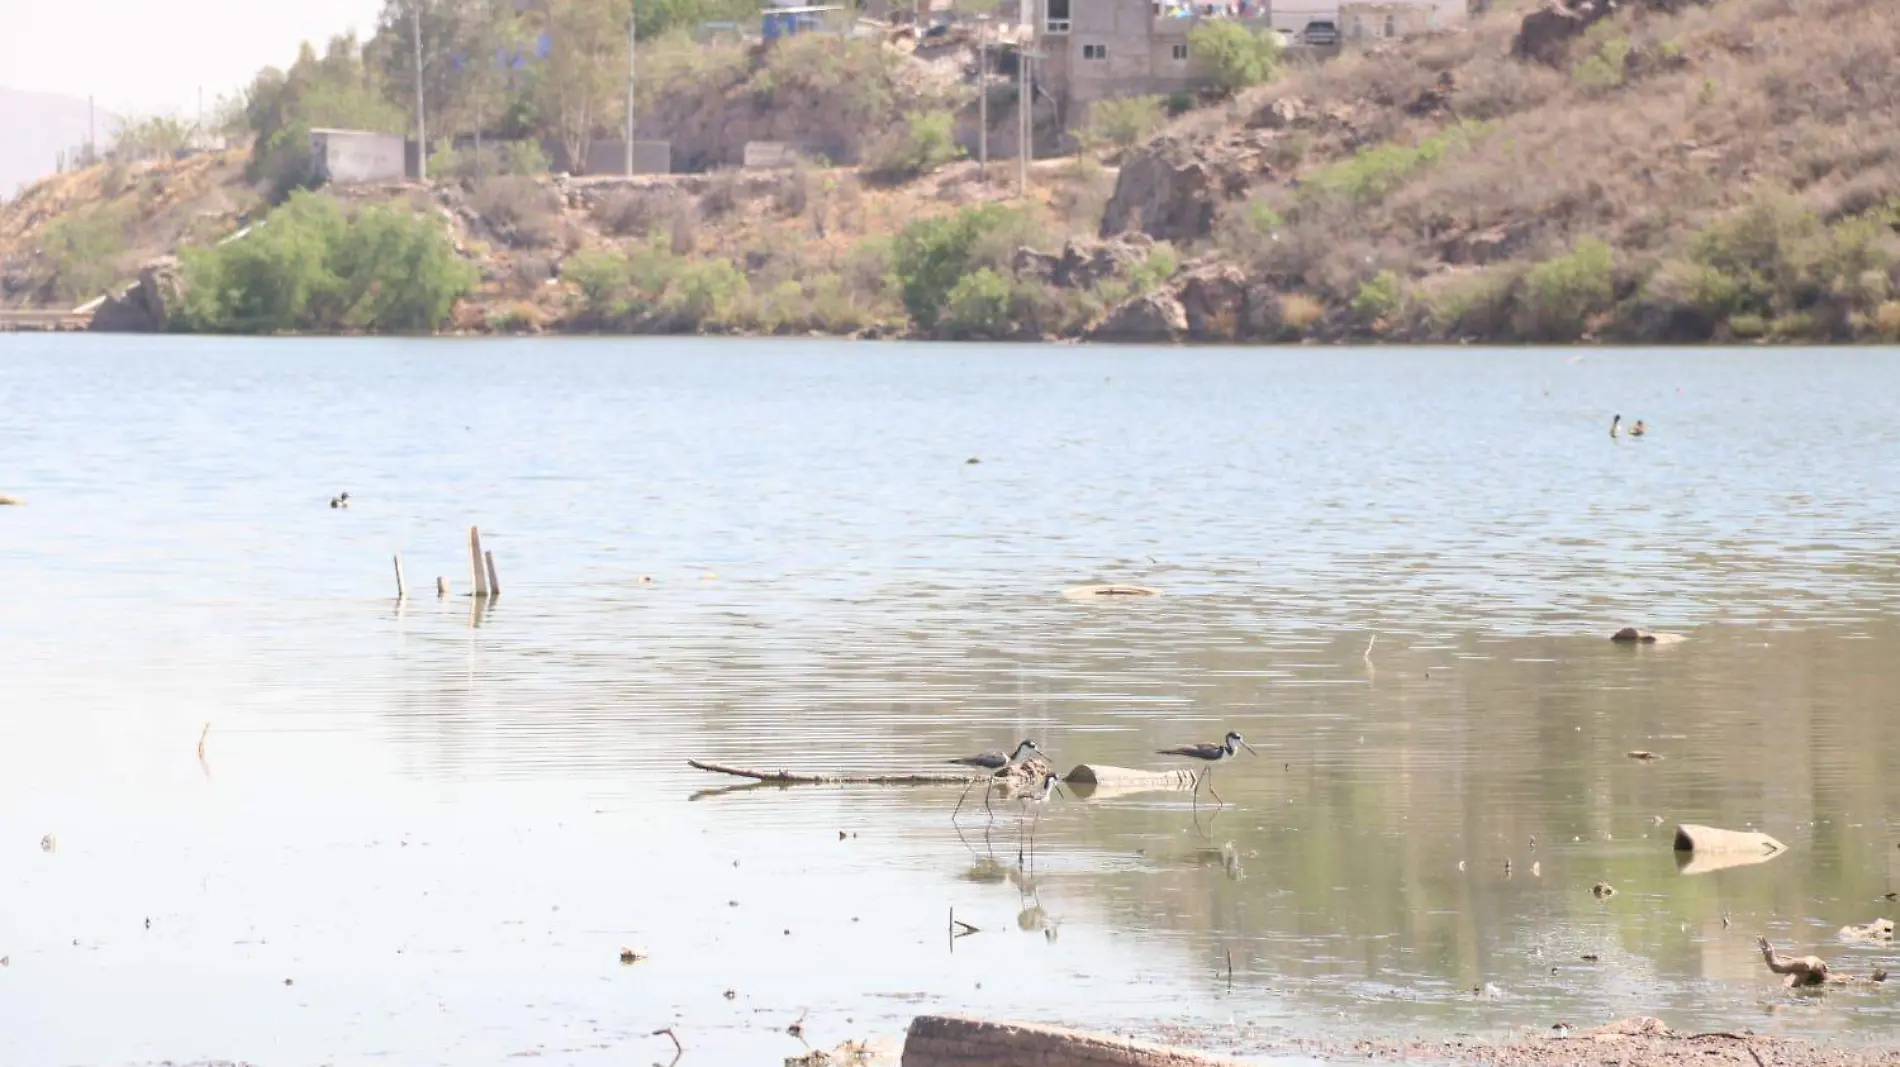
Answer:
(1809, 970)
(783, 777)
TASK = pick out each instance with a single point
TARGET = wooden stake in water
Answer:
(402, 590)
(494, 583)
(475, 562)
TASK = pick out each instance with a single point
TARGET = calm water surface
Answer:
(421, 834)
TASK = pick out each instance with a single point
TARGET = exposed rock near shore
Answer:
(1171, 187)
(147, 305)
(1149, 318)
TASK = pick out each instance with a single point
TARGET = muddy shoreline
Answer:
(1639, 1042)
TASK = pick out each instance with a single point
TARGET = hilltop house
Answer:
(1098, 49)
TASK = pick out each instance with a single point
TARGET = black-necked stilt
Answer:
(997, 763)
(1210, 754)
(1036, 800)
(1616, 424)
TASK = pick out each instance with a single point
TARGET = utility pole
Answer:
(1025, 112)
(633, 71)
(983, 97)
(422, 126)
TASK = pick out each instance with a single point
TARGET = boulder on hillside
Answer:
(1545, 34)
(147, 305)
(1214, 301)
(1156, 316)
(1170, 187)
(1082, 263)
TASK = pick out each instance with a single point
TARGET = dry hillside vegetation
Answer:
(1678, 171)
(1721, 170)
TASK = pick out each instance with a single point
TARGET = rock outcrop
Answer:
(1083, 264)
(147, 305)
(1545, 35)
(1156, 316)
(1171, 187)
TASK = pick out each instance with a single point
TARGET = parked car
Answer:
(1320, 33)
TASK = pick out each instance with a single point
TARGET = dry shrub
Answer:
(531, 272)
(847, 210)
(521, 211)
(632, 212)
(1503, 87)
(721, 197)
(792, 192)
(1887, 320)
(1299, 311)
(683, 228)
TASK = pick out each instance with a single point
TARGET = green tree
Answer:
(1560, 295)
(931, 256)
(978, 307)
(585, 64)
(1233, 55)
(311, 266)
(1125, 121)
(281, 107)
(466, 48)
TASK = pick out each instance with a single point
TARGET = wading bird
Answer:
(1036, 801)
(1615, 425)
(1209, 754)
(997, 763)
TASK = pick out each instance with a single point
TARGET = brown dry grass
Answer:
(1718, 107)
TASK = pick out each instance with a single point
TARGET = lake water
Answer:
(422, 834)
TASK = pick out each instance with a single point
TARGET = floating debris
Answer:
(1097, 592)
(1878, 930)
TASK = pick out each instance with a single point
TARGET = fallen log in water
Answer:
(1096, 780)
(782, 777)
(1693, 838)
(962, 1041)
(1091, 779)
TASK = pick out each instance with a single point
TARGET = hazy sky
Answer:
(138, 56)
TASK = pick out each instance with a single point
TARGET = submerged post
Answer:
(402, 591)
(494, 583)
(475, 561)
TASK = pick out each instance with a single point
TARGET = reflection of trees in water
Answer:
(1370, 789)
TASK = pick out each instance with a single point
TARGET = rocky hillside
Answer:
(1671, 171)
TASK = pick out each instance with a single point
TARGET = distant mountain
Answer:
(34, 128)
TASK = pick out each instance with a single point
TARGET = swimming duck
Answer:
(342, 501)
(1638, 429)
